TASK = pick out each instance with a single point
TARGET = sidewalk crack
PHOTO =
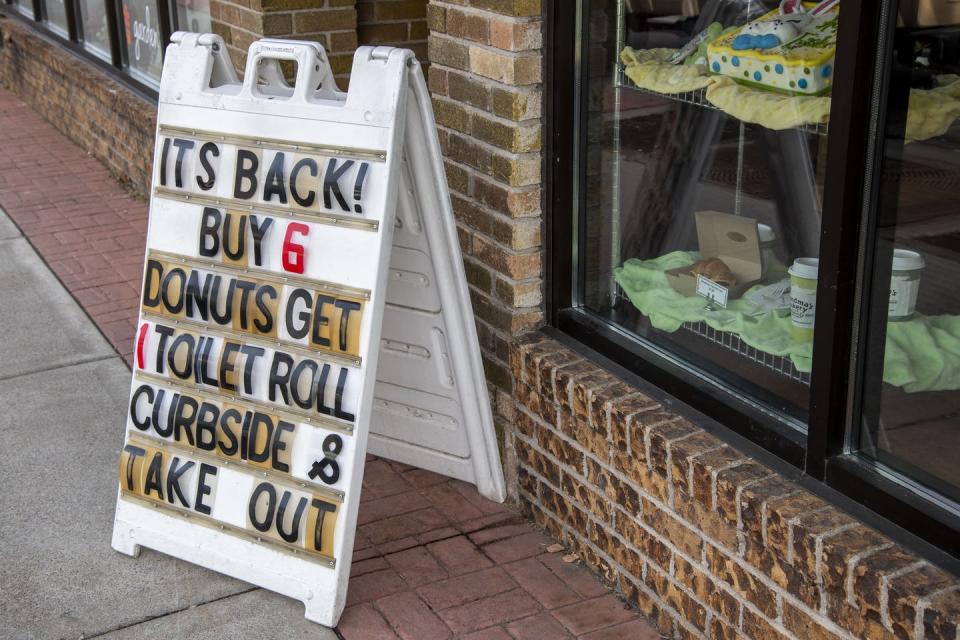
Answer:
(65, 365)
(100, 634)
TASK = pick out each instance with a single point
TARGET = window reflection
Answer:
(94, 27)
(57, 16)
(706, 141)
(194, 15)
(25, 7)
(913, 362)
(143, 45)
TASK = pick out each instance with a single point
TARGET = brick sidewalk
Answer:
(433, 559)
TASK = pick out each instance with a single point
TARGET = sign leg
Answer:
(123, 542)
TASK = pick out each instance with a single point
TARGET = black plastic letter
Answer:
(247, 164)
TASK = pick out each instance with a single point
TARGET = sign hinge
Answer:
(381, 53)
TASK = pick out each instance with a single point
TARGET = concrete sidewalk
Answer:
(432, 558)
(63, 391)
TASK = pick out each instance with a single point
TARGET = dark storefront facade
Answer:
(770, 458)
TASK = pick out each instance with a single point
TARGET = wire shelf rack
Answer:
(699, 98)
(732, 342)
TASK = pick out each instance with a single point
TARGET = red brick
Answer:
(499, 609)
(373, 586)
(437, 534)
(803, 625)
(780, 511)
(757, 627)
(485, 536)
(594, 614)
(411, 618)
(671, 528)
(905, 591)
(458, 555)
(941, 617)
(493, 633)
(473, 496)
(368, 565)
(869, 574)
(381, 480)
(538, 627)
(467, 588)
(837, 549)
(541, 583)
(489, 521)
(451, 503)
(573, 575)
(634, 630)
(373, 510)
(363, 622)
(391, 529)
(421, 478)
(524, 546)
(416, 566)
(745, 583)
(365, 553)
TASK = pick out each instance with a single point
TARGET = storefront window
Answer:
(142, 43)
(194, 15)
(95, 27)
(130, 35)
(703, 172)
(913, 336)
(57, 16)
(25, 7)
(784, 261)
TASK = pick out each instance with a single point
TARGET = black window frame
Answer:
(167, 24)
(821, 453)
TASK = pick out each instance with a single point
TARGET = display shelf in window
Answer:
(780, 365)
(698, 97)
(776, 71)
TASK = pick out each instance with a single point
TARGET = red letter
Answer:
(140, 339)
(293, 253)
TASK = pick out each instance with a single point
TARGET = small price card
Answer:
(716, 293)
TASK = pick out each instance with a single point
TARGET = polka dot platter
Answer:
(802, 66)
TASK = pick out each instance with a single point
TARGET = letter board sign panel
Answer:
(269, 264)
(431, 407)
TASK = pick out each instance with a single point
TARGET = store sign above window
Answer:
(303, 297)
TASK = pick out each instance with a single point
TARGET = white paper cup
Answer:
(904, 284)
(803, 298)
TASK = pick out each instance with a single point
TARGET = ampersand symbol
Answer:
(327, 468)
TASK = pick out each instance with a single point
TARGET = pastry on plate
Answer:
(716, 270)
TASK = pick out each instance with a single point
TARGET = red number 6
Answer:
(293, 260)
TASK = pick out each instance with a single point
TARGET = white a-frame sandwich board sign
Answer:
(282, 318)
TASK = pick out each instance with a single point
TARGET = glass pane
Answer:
(143, 46)
(57, 16)
(94, 27)
(913, 338)
(25, 7)
(194, 15)
(702, 175)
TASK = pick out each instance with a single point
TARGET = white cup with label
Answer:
(904, 284)
(803, 298)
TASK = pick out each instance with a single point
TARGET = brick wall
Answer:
(86, 105)
(117, 126)
(705, 540)
(486, 79)
(333, 23)
(399, 23)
